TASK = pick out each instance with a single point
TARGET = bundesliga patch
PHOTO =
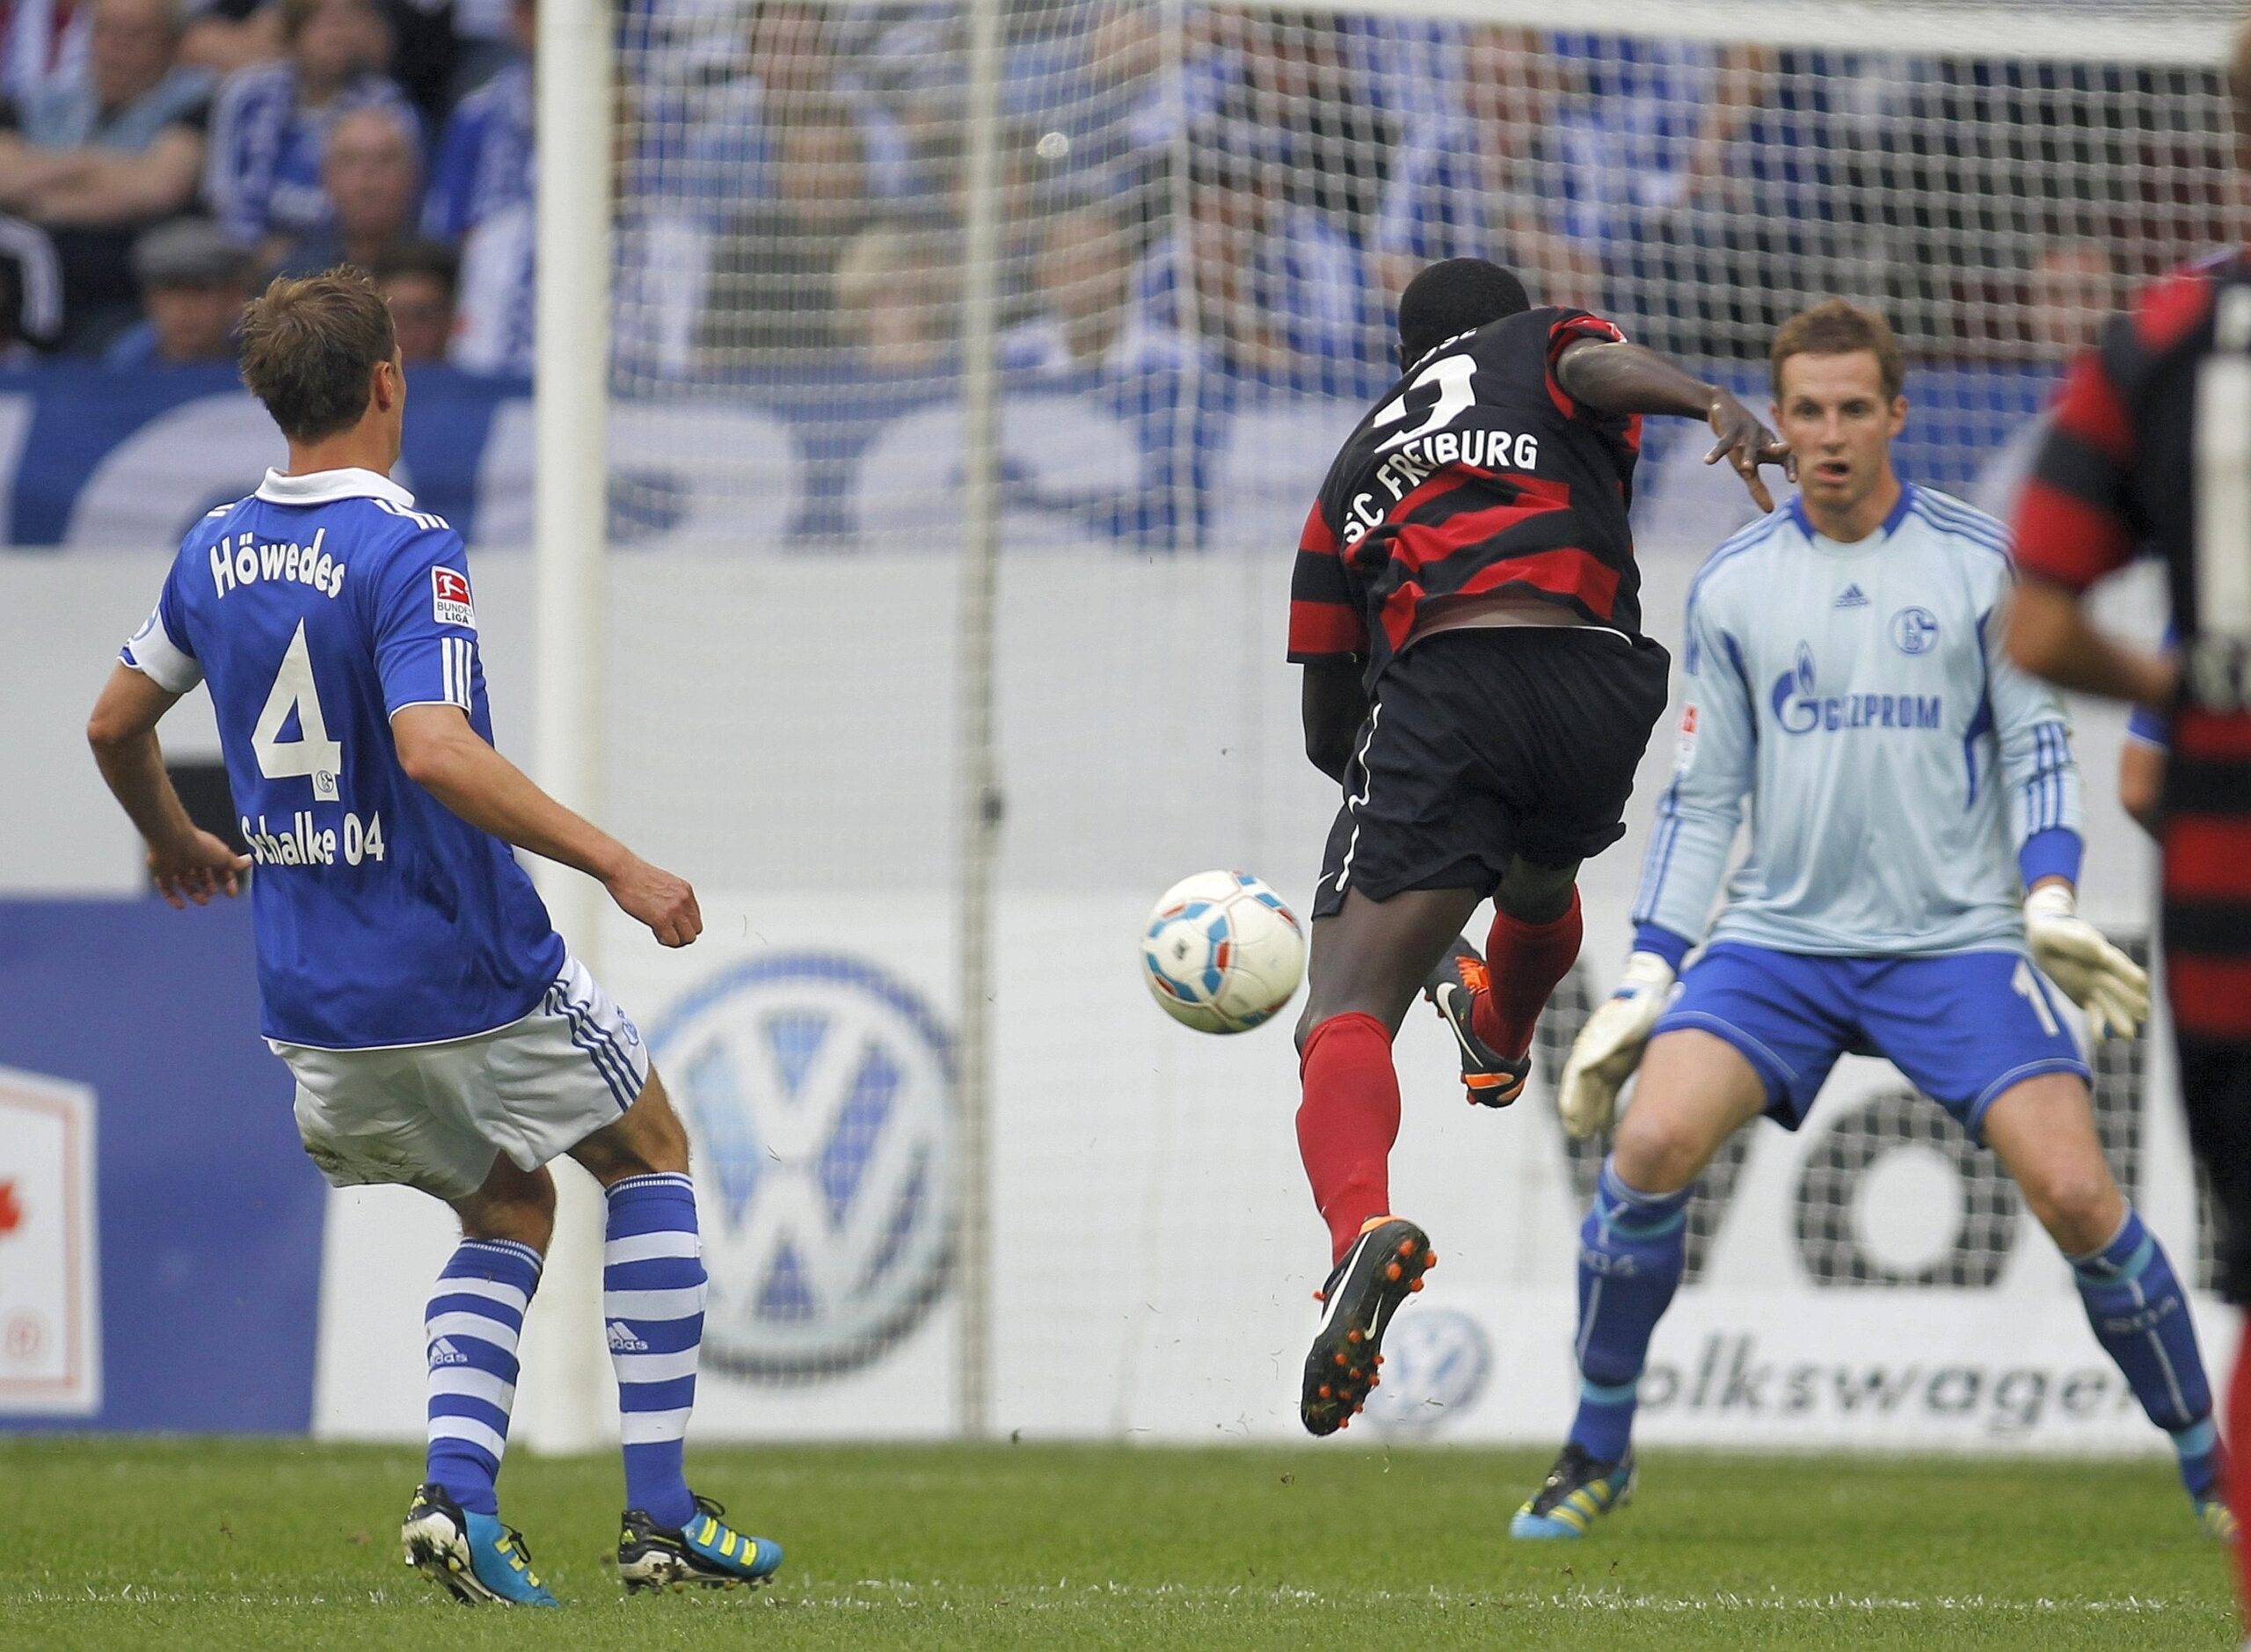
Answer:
(449, 599)
(1685, 754)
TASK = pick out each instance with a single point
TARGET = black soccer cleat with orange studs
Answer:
(1386, 1263)
(1489, 1077)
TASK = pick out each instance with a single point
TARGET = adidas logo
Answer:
(1852, 597)
(622, 1340)
(444, 1353)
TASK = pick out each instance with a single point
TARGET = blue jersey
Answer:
(1855, 697)
(314, 610)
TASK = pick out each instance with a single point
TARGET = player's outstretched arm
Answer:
(1626, 378)
(187, 862)
(447, 758)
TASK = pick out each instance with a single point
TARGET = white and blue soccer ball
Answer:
(1221, 953)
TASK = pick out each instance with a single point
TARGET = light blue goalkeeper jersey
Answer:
(1904, 781)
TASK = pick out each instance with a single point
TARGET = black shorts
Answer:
(1482, 745)
(2216, 1084)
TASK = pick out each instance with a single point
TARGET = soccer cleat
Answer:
(1491, 1079)
(474, 1556)
(2214, 1519)
(1385, 1263)
(707, 1552)
(1577, 1489)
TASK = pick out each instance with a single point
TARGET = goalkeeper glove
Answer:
(2108, 986)
(1609, 1046)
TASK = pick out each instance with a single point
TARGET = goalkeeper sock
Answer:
(652, 1304)
(1347, 1123)
(2140, 1315)
(1523, 961)
(477, 1314)
(1633, 1247)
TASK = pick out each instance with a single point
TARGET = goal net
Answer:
(1204, 216)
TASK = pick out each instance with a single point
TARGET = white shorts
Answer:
(434, 1116)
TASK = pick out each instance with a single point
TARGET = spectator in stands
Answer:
(1088, 328)
(775, 270)
(2071, 288)
(2073, 285)
(1647, 188)
(270, 128)
(480, 198)
(1279, 290)
(195, 281)
(438, 50)
(418, 279)
(43, 43)
(1467, 179)
(95, 159)
(372, 174)
(897, 293)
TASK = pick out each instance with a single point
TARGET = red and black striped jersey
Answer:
(1476, 473)
(2151, 448)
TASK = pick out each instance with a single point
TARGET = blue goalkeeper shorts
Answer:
(1962, 1026)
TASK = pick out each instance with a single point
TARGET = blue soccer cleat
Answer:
(707, 1552)
(1576, 1490)
(476, 1558)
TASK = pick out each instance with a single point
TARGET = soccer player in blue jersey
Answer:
(1914, 846)
(441, 1034)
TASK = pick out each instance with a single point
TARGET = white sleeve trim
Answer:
(152, 652)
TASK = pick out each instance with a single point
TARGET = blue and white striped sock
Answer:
(475, 1317)
(653, 1306)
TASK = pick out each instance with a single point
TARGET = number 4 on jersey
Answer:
(312, 754)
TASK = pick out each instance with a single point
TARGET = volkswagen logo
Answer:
(1435, 1366)
(819, 1094)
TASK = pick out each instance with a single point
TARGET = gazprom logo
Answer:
(1800, 710)
(819, 1092)
(1795, 708)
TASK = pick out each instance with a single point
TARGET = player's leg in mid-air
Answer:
(1983, 1034)
(653, 1310)
(1491, 1001)
(1696, 1090)
(1369, 958)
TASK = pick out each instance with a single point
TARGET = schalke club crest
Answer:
(819, 1095)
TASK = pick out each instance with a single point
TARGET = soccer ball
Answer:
(1221, 953)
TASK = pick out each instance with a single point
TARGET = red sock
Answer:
(2237, 1442)
(1347, 1123)
(1524, 961)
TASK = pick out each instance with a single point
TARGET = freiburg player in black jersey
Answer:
(2150, 449)
(1465, 606)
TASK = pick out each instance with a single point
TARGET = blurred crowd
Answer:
(1242, 190)
(160, 159)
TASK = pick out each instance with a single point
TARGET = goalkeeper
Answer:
(1844, 675)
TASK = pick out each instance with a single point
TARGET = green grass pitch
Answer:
(197, 1543)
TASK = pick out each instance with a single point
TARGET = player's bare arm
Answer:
(1627, 378)
(446, 757)
(1332, 705)
(188, 863)
(2049, 635)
